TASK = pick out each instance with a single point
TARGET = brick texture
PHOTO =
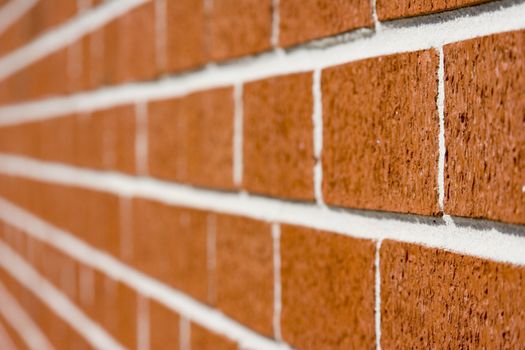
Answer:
(327, 290)
(244, 271)
(278, 137)
(407, 8)
(252, 20)
(190, 139)
(431, 298)
(203, 339)
(382, 155)
(164, 327)
(485, 127)
(306, 20)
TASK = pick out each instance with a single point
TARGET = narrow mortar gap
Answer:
(317, 118)
(184, 334)
(441, 114)
(141, 138)
(237, 134)
(377, 267)
(211, 245)
(143, 323)
(277, 306)
(160, 34)
(87, 285)
(377, 23)
(276, 18)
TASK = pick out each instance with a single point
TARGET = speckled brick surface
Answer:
(278, 137)
(380, 133)
(430, 297)
(485, 127)
(327, 290)
(203, 339)
(387, 9)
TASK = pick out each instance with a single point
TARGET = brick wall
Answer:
(262, 174)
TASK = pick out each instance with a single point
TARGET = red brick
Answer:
(202, 339)
(278, 137)
(170, 244)
(93, 63)
(14, 237)
(449, 300)
(129, 48)
(105, 139)
(244, 271)
(23, 139)
(380, 133)
(327, 290)
(301, 21)
(239, 28)
(164, 327)
(485, 127)
(190, 139)
(407, 8)
(185, 39)
(56, 138)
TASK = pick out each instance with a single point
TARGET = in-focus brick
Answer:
(164, 327)
(380, 133)
(190, 139)
(185, 39)
(170, 244)
(239, 28)
(203, 339)
(278, 137)
(129, 46)
(485, 127)
(433, 298)
(327, 290)
(244, 271)
(105, 139)
(300, 21)
(387, 9)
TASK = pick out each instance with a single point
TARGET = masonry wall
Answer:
(258, 174)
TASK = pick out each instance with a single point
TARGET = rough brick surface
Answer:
(185, 34)
(327, 290)
(244, 271)
(203, 339)
(407, 8)
(380, 133)
(305, 20)
(164, 327)
(190, 139)
(430, 297)
(129, 47)
(278, 137)
(252, 20)
(170, 244)
(485, 127)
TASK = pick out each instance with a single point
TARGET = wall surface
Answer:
(262, 174)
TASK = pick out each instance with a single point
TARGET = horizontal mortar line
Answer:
(26, 275)
(391, 39)
(183, 304)
(13, 11)
(26, 328)
(486, 239)
(64, 35)
(6, 342)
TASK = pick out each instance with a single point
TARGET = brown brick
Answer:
(105, 139)
(170, 243)
(485, 127)
(448, 300)
(407, 8)
(380, 133)
(56, 138)
(14, 237)
(301, 21)
(327, 290)
(23, 139)
(185, 34)
(191, 139)
(278, 137)
(164, 327)
(239, 28)
(244, 271)
(129, 48)
(202, 339)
